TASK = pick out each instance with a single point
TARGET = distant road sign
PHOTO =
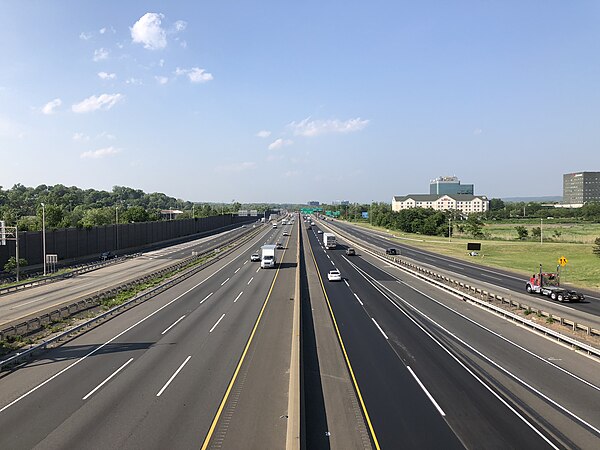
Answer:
(563, 261)
(365, 214)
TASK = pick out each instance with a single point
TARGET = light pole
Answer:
(44, 235)
(117, 225)
(541, 231)
(193, 214)
(449, 228)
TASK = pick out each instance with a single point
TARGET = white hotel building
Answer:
(465, 203)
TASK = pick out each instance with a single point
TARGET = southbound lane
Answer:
(153, 377)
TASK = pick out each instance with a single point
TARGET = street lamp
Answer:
(44, 235)
(541, 231)
(117, 225)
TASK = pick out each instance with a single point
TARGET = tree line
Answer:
(67, 207)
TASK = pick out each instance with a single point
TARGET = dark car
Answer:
(107, 255)
(391, 251)
(350, 251)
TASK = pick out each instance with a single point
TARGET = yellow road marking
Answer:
(337, 330)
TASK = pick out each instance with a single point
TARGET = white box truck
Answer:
(267, 257)
(329, 240)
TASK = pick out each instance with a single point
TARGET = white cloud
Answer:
(280, 143)
(237, 167)
(477, 131)
(161, 63)
(106, 135)
(312, 128)
(147, 31)
(274, 157)
(292, 173)
(93, 103)
(102, 30)
(80, 137)
(85, 36)
(183, 44)
(107, 76)
(263, 134)
(162, 80)
(195, 74)
(180, 25)
(100, 153)
(132, 80)
(100, 54)
(50, 107)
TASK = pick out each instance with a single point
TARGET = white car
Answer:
(319, 232)
(334, 275)
(254, 257)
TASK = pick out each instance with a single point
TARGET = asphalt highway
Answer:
(28, 302)
(435, 372)
(497, 277)
(152, 377)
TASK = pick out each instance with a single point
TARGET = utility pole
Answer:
(541, 231)
(44, 235)
(11, 234)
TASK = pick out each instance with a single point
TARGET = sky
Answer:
(286, 102)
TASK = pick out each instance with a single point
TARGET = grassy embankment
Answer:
(502, 249)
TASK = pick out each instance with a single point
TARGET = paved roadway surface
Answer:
(28, 302)
(255, 411)
(152, 377)
(436, 372)
(496, 277)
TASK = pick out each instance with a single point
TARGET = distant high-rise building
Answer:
(313, 203)
(581, 187)
(340, 202)
(449, 185)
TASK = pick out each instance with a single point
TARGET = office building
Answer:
(449, 185)
(580, 188)
(467, 204)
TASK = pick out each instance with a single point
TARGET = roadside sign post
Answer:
(10, 234)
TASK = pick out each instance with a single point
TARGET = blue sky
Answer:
(277, 101)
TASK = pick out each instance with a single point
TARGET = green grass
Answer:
(525, 257)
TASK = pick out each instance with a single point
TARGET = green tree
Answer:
(596, 247)
(536, 232)
(522, 232)
(97, 217)
(135, 214)
(474, 225)
(11, 264)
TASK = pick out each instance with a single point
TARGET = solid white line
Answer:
(215, 325)
(440, 410)
(106, 380)
(237, 270)
(362, 304)
(238, 297)
(257, 270)
(206, 298)
(377, 325)
(250, 280)
(174, 323)
(224, 281)
(346, 283)
(174, 375)
(456, 267)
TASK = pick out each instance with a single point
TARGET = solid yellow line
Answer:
(337, 330)
(213, 426)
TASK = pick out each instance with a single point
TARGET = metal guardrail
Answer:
(427, 274)
(136, 299)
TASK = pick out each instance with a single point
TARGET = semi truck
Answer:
(548, 284)
(329, 240)
(267, 256)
